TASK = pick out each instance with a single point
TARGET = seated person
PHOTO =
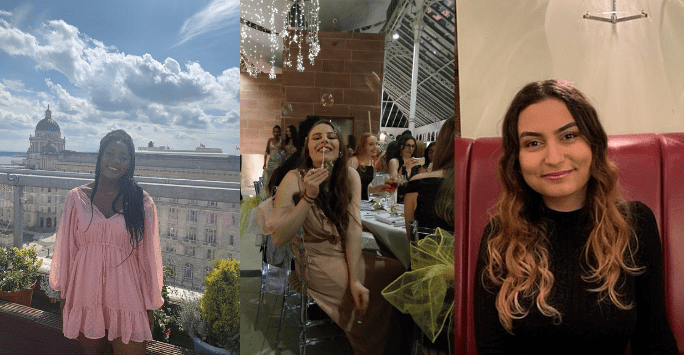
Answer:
(564, 265)
(325, 204)
(430, 196)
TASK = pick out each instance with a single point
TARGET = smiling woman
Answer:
(107, 259)
(564, 265)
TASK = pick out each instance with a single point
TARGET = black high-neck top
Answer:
(587, 326)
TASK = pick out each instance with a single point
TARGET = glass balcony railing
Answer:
(198, 220)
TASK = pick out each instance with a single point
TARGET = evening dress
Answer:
(104, 287)
(428, 193)
(276, 156)
(328, 277)
(366, 174)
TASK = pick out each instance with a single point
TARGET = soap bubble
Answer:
(373, 81)
(327, 100)
(287, 108)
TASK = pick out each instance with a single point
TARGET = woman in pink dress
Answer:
(107, 261)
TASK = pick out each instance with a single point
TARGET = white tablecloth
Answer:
(394, 238)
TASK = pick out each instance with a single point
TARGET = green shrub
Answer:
(221, 304)
(18, 268)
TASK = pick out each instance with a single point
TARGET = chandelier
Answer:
(295, 22)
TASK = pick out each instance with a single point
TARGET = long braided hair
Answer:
(129, 191)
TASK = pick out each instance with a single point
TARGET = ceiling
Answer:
(435, 94)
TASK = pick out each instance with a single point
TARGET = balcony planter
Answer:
(18, 272)
(203, 347)
(22, 297)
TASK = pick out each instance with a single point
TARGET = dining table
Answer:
(391, 235)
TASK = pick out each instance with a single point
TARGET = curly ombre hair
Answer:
(517, 252)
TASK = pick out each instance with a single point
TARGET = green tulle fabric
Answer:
(422, 292)
(246, 207)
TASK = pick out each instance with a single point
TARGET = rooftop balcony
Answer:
(28, 330)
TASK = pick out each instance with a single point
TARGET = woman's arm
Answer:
(352, 243)
(490, 336)
(393, 166)
(354, 163)
(653, 334)
(290, 224)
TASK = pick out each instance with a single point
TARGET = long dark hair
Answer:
(427, 158)
(129, 191)
(293, 133)
(403, 139)
(336, 200)
(444, 160)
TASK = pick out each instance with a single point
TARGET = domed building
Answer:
(45, 145)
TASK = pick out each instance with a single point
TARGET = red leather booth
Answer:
(651, 170)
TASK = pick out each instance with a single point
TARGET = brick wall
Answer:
(344, 62)
(260, 102)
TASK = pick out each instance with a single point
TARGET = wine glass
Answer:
(394, 181)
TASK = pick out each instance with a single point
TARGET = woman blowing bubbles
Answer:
(565, 267)
(107, 260)
(345, 283)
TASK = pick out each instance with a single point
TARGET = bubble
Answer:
(287, 108)
(373, 81)
(327, 100)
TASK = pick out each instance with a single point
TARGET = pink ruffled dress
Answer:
(101, 294)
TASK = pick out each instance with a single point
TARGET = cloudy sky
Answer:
(163, 70)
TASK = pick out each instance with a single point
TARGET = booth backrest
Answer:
(650, 169)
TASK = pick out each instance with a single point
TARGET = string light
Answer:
(300, 26)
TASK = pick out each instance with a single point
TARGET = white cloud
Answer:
(14, 85)
(218, 14)
(114, 85)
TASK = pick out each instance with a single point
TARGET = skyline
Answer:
(166, 72)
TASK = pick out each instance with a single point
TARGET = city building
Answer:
(192, 232)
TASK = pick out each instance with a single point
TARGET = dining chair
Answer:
(297, 302)
(275, 266)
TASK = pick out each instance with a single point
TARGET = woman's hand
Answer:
(312, 181)
(410, 163)
(360, 295)
(378, 189)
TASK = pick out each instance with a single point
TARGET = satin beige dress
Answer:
(328, 279)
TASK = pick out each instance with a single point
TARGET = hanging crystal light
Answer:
(299, 27)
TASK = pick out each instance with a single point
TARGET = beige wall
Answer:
(631, 71)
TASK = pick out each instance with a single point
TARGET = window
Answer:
(208, 254)
(49, 208)
(187, 272)
(192, 216)
(49, 198)
(233, 219)
(189, 251)
(212, 218)
(192, 234)
(173, 199)
(173, 213)
(210, 236)
(49, 189)
(192, 202)
(206, 271)
(232, 240)
(211, 203)
(172, 232)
